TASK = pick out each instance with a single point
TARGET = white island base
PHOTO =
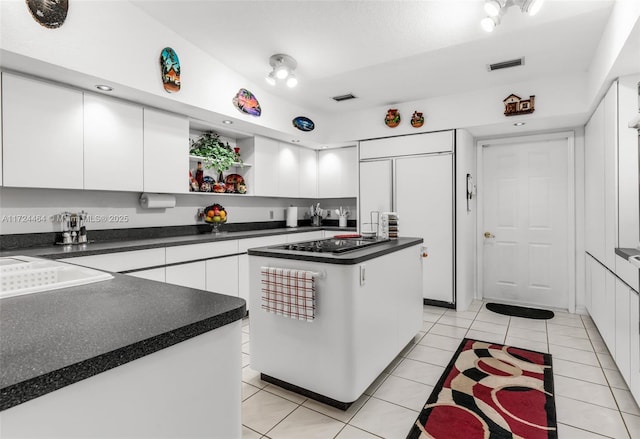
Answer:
(366, 313)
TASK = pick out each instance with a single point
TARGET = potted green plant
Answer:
(215, 153)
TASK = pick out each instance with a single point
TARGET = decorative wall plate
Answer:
(170, 66)
(49, 13)
(246, 102)
(514, 105)
(303, 123)
(417, 120)
(392, 119)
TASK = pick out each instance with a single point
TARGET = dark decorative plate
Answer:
(303, 123)
(49, 13)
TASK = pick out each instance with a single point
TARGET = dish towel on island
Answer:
(289, 292)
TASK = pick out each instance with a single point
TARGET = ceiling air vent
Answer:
(343, 97)
(506, 64)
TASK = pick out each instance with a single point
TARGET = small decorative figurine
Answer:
(514, 105)
(417, 120)
(392, 119)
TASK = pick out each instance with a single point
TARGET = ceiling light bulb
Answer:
(292, 81)
(492, 8)
(488, 24)
(534, 7)
(104, 87)
(271, 78)
(282, 72)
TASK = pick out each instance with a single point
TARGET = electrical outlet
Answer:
(271, 214)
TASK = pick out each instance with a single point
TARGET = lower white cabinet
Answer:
(623, 329)
(304, 236)
(634, 345)
(192, 275)
(122, 261)
(157, 274)
(222, 275)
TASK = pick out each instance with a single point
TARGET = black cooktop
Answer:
(331, 245)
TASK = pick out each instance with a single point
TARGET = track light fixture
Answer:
(283, 67)
(497, 8)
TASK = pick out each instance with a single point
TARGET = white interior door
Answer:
(525, 218)
(424, 202)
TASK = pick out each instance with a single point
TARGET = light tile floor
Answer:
(592, 400)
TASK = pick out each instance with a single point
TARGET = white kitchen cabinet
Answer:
(122, 261)
(610, 176)
(419, 187)
(222, 275)
(304, 236)
(338, 173)
(634, 345)
(166, 152)
(157, 274)
(265, 165)
(288, 171)
(191, 274)
(623, 329)
(206, 250)
(594, 184)
(425, 143)
(428, 215)
(113, 150)
(42, 134)
(308, 173)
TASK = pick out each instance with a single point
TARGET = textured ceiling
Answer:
(386, 52)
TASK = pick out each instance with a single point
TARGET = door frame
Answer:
(569, 136)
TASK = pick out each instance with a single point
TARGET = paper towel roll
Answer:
(292, 216)
(157, 201)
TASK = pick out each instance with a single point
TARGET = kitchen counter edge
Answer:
(347, 258)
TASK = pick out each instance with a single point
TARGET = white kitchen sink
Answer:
(26, 275)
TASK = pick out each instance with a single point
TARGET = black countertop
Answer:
(98, 248)
(626, 253)
(52, 339)
(347, 258)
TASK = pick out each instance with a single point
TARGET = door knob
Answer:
(489, 235)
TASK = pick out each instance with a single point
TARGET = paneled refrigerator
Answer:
(420, 188)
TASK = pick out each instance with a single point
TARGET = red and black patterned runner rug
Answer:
(491, 391)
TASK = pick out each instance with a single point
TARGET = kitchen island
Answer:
(368, 307)
(125, 357)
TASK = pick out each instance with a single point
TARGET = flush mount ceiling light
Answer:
(104, 87)
(519, 124)
(283, 67)
(497, 8)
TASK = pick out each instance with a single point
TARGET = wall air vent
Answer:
(343, 97)
(506, 64)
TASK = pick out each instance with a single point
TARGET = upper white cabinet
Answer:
(338, 173)
(266, 154)
(112, 144)
(166, 152)
(42, 134)
(438, 141)
(308, 178)
(288, 170)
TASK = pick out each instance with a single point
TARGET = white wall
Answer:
(465, 222)
(23, 209)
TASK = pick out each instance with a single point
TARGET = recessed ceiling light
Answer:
(227, 122)
(104, 87)
(519, 124)
(324, 147)
(295, 140)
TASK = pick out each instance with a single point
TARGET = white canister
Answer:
(342, 221)
(292, 216)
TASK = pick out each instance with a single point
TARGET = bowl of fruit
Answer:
(215, 215)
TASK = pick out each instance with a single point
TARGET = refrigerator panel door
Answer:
(376, 188)
(424, 202)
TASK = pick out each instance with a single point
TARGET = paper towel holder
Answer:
(157, 201)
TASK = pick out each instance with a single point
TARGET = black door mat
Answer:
(520, 311)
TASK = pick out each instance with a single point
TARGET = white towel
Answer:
(289, 292)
